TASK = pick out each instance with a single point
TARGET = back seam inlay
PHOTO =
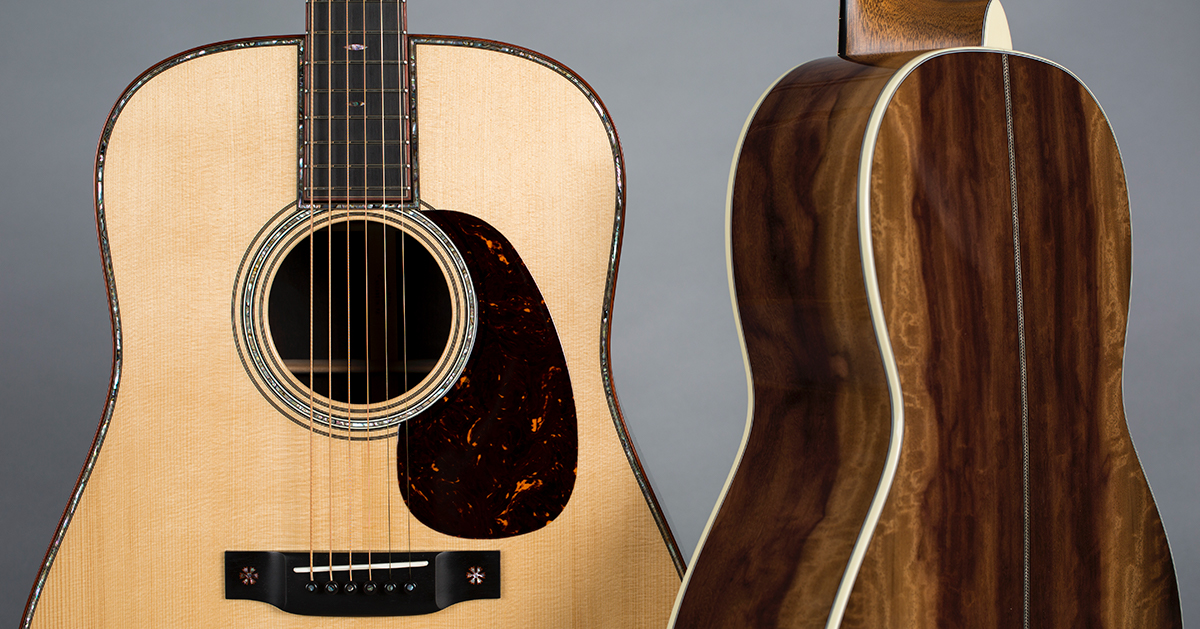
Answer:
(1012, 184)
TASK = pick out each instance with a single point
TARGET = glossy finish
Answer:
(942, 229)
(1096, 532)
(777, 547)
(950, 544)
(496, 456)
(870, 28)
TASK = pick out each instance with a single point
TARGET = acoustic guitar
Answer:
(929, 244)
(361, 284)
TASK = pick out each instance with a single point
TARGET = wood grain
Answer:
(197, 462)
(819, 432)
(874, 28)
(1096, 536)
(949, 546)
(948, 549)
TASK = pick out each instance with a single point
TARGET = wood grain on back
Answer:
(197, 462)
(949, 547)
(948, 550)
(1097, 535)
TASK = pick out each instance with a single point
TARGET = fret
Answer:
(355, 104)
(373, 191)
(333, 48)
(391, 168)
(357, 91)
(390, 146)
(337, 117)
(356, 80)
(322, 33)
(324, 130)
(356, 182)
(356, 62)
(322, 154)
(374, 173)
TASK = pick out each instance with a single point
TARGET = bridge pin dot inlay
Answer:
(475, 575)
(249, 576)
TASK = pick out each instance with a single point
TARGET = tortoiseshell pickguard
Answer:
(496, 456)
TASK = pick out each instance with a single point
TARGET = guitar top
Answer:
(360, 284)
(929, 255)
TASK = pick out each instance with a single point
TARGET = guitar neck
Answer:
(358, 102)
(873, 28)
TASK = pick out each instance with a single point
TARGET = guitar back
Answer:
(1001, 251)
(192, 460)
(930, 267)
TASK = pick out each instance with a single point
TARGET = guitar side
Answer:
(871, 250)
(191, 460)
(818, 430)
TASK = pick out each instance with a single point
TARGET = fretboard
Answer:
(357, 107)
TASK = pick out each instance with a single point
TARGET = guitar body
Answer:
(936, 434)
(192, 459)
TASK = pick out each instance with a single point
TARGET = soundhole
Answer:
(378, 319)
(352, 320)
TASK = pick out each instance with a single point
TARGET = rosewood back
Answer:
(934, 321)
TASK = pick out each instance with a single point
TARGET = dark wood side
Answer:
(870, 28)
(949, 548)
(496, 456)
(948, 551)
(1099, 555)
(780, 542)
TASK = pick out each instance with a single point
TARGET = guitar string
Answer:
(406, 130)
(308, 177)
(349, 412)
(1012, 183)
(329, 275)
(366, 324)
(387, 389)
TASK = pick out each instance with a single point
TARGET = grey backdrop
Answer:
(679, 78)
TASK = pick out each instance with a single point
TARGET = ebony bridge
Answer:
(383, 584)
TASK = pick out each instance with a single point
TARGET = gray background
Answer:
(679, 78)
